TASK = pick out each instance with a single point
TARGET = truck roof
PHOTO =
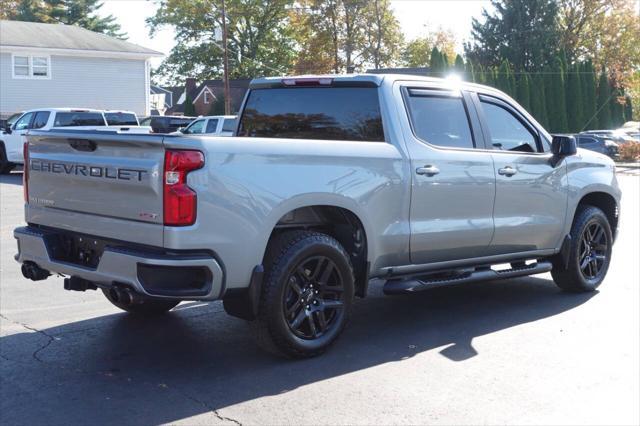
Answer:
(369, 79)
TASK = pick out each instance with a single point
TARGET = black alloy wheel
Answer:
(593, 251)
(313, 300)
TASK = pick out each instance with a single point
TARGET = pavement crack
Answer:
(211, 409)
(44, 333)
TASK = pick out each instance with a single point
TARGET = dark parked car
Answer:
(166, 123)
(599, 144)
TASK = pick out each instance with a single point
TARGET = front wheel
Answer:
(589, 254)
(306, 296)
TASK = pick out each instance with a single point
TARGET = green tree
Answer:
(470, 72)
(505, 81)
(356, 32)
(260, 41)
(458, 65)
(523, 94)
(617, 108)
(83, 13)
(479, 74)
(189, 109)
(574, 99)
(538, 100)
(417, 51)
(555, 98)
(523, 32)
(217, 106)
(628, 109)
(604, 96)
(589, 96)
(382, 35)
(436, 62)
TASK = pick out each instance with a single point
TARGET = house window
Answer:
(31, 66)
(206, 97)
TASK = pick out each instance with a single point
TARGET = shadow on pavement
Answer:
(13, 178)
(196, 359)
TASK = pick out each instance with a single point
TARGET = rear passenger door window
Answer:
(440, 118)
(40, 120)
(508, 132)
(212, 126)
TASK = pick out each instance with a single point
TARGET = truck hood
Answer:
(592, 157)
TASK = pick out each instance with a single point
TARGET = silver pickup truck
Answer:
(330, 182)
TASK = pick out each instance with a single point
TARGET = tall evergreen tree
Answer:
(524, 32)
(555, 94)
(574, 99)
(435, 62)
(589, 95)
(503, 82)
(538, 102)
(617, 109)
(523, 95)
(470, 72)
(603, 107)
(458, 65)
(480, 74)
(83, 13)
(189, 109)
(628, 109)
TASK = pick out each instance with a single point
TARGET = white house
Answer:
(56, 65)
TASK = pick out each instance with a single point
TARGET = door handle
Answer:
(427, 170)
(507, 171)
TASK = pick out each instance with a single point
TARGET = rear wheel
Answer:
(306, 296)
(589, 254)
(147, 306)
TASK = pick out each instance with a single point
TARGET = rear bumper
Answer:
(175, 275)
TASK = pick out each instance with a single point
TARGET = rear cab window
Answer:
(121, 119)
(322, 113)
(229, 125)
(69, 119)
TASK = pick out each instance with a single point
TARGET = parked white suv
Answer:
(214, 125)
(13, 137)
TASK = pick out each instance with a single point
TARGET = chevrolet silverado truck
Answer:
(331, 181)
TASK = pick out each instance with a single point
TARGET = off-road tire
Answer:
(570, 276)
(286, 254)
(149, 307)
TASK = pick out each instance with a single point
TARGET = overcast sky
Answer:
(415, 17)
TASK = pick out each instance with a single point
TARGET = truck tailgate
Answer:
(90, 173)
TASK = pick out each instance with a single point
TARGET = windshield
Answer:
(12, 119)
(121, 119)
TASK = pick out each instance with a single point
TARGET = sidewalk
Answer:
(628, 165)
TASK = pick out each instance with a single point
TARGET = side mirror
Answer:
(7, 130)
(563, 146)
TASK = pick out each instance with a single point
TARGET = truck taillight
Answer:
(25, 172)
(180, 201)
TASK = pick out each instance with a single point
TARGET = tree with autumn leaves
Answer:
(545, 53)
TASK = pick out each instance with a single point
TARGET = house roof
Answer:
(236, 83)
(33, 35)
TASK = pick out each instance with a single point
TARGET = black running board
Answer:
(419, 284)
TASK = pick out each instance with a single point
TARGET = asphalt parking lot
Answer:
(511, 352)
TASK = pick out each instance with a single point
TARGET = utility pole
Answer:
(227, 90)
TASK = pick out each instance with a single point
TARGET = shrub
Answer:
(630, 151)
